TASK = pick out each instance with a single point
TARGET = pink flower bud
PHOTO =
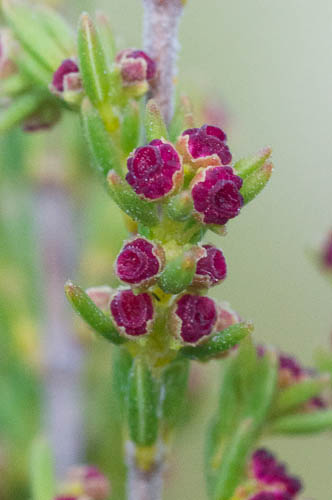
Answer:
(101, 296)
(136, 67)
(266, 470)
(8, 47)
(139, 262)
(327, 253)
(203, 147)
(216, 195)
(132, 313)
(226, 317)
(92, 483)
(67, 79)
(193, 318)
(211, 269)
(155, 170)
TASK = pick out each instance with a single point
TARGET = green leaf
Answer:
(179, 273)
(18, 110)
(130, 127)
(137, 208)
(58, 29)
(102, 146)
(155, 127)
(180, 207)
(299, 393)
(33, 69)
(106, 35)
(91, 314)
(303, 423)
(14, 85)
(143, 402)
(174, 385)
(247, 166)
(122, 364)
(43, 486)
(223, 423)
(182, 119)
(31, 31)
(93, 65)
(257, 405)
(256, 182)
(219, 343)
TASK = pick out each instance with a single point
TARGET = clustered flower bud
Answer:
(272, 477)
(133, 314)
(211, 269)
(226, 317)
(67, 82)
(85, 482)
(155, 170)
(137, 69)
(139, 262)
(101, 296)
(216, 195)
(7, 50)
(205, 146)
(193, 318)
(327, 254)
(292, 372)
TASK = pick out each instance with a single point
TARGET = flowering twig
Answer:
(161, 21)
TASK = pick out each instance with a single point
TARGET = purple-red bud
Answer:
(327, 254)
(8, 47)
(136, 67)
(155, 170)
(205, 146)
(267, 471)
(193, 318)
(100, 295)
(211, 269)
(88, 481)
(139, 262)
(133, 314)
(216, 195)
(66, 78)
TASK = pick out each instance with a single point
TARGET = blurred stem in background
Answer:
(62, 354)
(161, 21)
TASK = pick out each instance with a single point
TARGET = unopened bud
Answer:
(67, 82)
(100, 295)
(137, 70)
(133, 314)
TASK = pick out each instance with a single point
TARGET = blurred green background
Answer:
(269, 65)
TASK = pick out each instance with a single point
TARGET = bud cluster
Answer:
(85, 482)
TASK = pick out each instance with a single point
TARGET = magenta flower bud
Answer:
(100, 295)
(132, 313)
(327, 254)
(136, 67)
(155, 170)
(139, 262)
(90, 481)
(216, 195)
(271, 495)
(211, 269)
(226, 317)
(8, 47)
(203, 147)
(67, 82)
(194, 318)
(268, 471)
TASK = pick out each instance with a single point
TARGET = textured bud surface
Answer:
(207, 143)
(132, 313)
(154, 170)
(136, 66)
(196, 316)
(66, 77)
(138, 261)
(267, 470)
(216, 195)
(212, 268)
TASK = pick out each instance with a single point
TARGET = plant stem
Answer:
(62, 355)
(161, 22)
(143, 484)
